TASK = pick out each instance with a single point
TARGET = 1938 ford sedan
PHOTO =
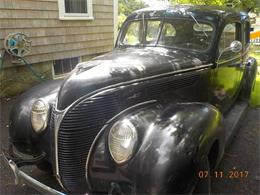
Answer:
(147, 117)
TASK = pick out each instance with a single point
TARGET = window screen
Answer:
(76, 6)
(65, 65)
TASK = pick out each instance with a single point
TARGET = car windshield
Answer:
(177, 33)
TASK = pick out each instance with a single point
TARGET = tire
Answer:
(203, 185)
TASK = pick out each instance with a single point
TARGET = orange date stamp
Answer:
(232, 174)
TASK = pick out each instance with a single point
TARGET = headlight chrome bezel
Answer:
(134, 139)
(41, 114)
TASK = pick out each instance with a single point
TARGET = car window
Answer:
(228, 36)
(168, 34)
(177, 33)
(186, 34)
(152, 31)
(133, 34)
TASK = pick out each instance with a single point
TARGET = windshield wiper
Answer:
(190, 14)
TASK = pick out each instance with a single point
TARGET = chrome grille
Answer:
(77, 131)
(83, 121)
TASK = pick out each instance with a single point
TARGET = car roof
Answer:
(201, 11)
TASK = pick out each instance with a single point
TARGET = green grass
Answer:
(255, 94)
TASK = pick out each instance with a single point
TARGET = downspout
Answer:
(115, 10)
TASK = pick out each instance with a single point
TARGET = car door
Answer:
(229, 68)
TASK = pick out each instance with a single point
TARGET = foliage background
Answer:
(241, 4)
(128, 6)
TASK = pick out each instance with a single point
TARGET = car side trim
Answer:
(201, 67)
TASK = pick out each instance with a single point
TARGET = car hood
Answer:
(123, 65)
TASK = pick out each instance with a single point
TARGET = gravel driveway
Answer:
(243, 155)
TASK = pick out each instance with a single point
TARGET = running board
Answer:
(233, 119)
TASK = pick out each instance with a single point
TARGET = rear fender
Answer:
(249, 78)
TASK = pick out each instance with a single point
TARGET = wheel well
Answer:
(213, 154)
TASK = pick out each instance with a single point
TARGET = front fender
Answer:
(173, 146)
(20, 129)
(173, 139)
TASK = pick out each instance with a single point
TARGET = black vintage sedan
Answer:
(152, 116)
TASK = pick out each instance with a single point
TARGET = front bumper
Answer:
(22, 177)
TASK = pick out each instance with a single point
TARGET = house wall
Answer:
(52, 38)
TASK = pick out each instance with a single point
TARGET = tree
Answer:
(241, 4)
(126, 7)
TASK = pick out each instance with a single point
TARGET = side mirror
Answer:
(236, 46)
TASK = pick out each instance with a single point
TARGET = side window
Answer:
(168, 34)
(133, 34)
(152, 31)
(169, 30)
(230, 33)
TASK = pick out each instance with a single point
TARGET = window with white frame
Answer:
(75, 10)
(62, 67)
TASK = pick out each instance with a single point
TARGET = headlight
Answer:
(39, 115)
(122, 140)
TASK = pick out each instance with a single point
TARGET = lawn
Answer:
(255, 94)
